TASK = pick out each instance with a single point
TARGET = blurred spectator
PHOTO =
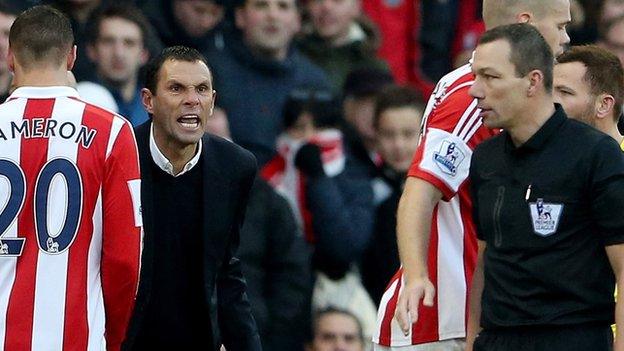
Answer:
(275, 261)
(7, 16)
(468, 43)
(193, 23)
(314, 170)
(397, 122)
(611, 36)
(336, 330)
(360, 89)
(258, 68)
(117, 36)
(79, 12)
(341, 39)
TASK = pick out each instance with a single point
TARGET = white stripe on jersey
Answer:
(474, 119)
(462, 121)
(462, 85)
(475, 128)
(49, 311)
(381, 312)
(11, 148)
(451, 285)
(118, 123)
(95, 300)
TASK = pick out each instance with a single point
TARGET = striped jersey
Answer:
(452, 129)
(70, 223)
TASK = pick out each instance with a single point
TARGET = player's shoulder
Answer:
(453, 82)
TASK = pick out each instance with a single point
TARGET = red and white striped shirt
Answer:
(71, 224)
(453, 129)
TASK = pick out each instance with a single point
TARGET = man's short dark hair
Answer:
(321, 104)
(177, 53)
(604, 72)
(396, 96)
(529, 50)
(126, 12)
(41, 34)
(366, 82)
(334, 310)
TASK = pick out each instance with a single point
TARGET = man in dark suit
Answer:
(195, 188)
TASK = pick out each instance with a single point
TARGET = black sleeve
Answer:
(236, 323)
(606, 191)
(474, 190)
(289, 281)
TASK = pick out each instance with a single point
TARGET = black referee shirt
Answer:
(546, 210)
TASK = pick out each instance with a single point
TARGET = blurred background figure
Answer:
(7, 16)
(194, 23)
(340, 39)
(257, 69)
(275, 261)
(117, 47)
(334, 329)
(398, 112)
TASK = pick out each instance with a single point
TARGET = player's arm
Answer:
(476, 291)
(413, 228)
(121, 235)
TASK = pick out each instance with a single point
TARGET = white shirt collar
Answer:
(163, 163)
(44, 92)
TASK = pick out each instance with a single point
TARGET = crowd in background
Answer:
(328, 95)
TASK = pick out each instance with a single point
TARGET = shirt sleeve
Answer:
(607, 191)
(450, 125)
(121, 236)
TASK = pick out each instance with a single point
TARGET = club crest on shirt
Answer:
(449, 157)
(545, 216)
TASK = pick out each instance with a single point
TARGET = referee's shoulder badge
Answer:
(449, 157)
(545, 216)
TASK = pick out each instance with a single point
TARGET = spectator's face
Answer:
(359, 112)
(303, 128)
(268, 26)
(118, 52)
(501, 94)
(333, 18)
(337, 332)
(5, 26)
(573, 92)
(183, 101)
(398, 131)
(553, 24)
(614, 40)
(217, 124)
(197, 17)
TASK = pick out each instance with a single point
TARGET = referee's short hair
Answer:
(604, 72)
(41, 35)
(529, 50)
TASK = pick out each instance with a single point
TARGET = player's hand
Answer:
(407, 307)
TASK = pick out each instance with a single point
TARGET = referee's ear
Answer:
(147, 98)
(604, 106)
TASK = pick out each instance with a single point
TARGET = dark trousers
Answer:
(566, 338)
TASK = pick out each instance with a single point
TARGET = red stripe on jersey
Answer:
(33, 156)
(385, 336)
(470, 242)
(426, 328)
(90, 162)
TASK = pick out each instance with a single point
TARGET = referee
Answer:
(548, 198)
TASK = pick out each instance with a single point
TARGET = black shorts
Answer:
(568, 338)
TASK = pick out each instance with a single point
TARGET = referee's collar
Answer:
(163, 163)
(44, 92)
(539, 139)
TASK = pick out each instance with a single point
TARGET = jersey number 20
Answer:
(10, 207)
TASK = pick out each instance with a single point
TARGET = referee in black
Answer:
(548, 198)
